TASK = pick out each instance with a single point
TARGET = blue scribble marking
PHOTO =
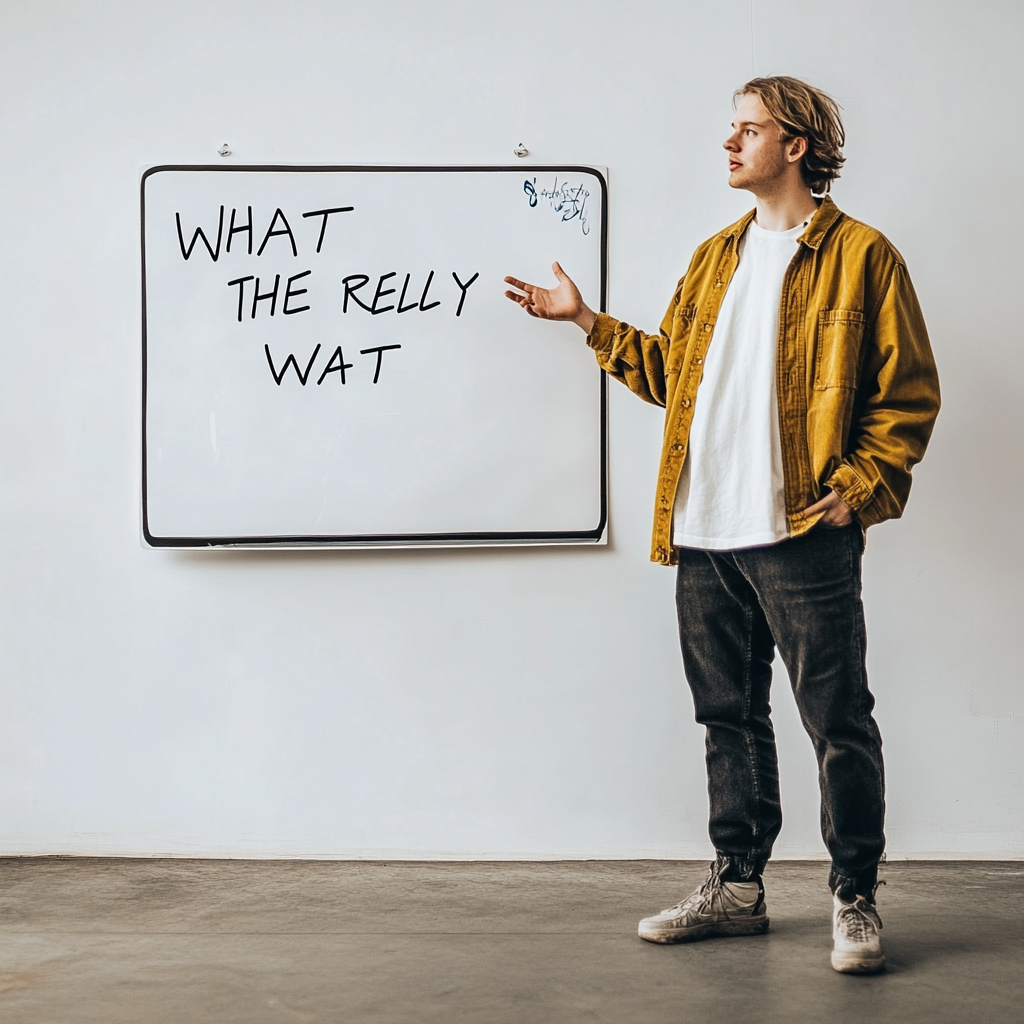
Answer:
(568, 200)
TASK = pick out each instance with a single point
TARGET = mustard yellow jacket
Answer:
(857, 385)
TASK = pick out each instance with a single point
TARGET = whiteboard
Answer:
(329, 358)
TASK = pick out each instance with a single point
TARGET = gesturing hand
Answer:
(563, 302)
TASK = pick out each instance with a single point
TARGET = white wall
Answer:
(502, 702)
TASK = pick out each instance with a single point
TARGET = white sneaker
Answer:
(716, 908)
(856, 944)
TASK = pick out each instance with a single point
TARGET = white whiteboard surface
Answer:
(357, 377)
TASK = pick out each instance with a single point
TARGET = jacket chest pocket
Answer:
(837, 349)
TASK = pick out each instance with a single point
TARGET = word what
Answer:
(273, 231)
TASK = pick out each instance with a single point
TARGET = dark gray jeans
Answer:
(734, 607)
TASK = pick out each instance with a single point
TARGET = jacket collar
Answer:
(737, 229)
(828, 213)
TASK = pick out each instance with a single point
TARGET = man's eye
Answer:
(750, 131)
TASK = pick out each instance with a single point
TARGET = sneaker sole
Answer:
(853, 964)
(755, 926)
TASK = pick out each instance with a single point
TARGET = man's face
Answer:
(758, 158)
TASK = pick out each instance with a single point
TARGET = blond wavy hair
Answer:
(801, 111)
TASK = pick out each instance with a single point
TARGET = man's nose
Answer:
(731, 143)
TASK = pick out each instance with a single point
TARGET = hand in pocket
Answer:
(835, 513)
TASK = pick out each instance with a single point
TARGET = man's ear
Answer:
(795, 149)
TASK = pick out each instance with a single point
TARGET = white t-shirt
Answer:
(731, 492)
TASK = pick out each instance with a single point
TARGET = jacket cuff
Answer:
(602, 334)
(854, 492)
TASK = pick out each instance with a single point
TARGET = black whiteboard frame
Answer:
(481, 539)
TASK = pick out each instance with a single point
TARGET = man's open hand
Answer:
(836, 512)
(563, 302)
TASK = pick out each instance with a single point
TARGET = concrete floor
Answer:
(248, 942)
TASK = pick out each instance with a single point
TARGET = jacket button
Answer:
(707, 327)
(686, 403)
(677, 447)
(698, 360)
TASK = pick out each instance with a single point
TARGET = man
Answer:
(800, 389)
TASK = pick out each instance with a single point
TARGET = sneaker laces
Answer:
(705, 895)
(858, 919)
